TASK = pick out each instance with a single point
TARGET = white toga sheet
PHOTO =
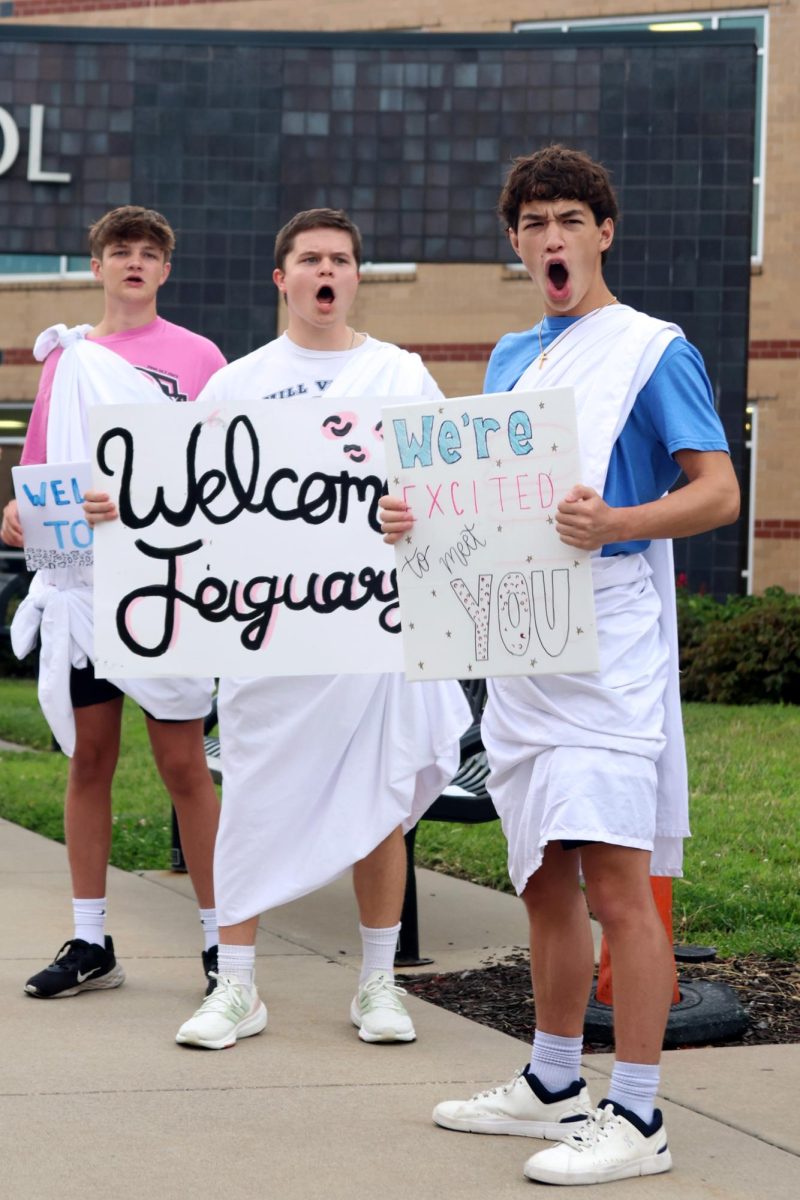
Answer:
(318, 770)
(599, 757)
(58, 607)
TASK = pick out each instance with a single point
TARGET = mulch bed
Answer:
(498, 994)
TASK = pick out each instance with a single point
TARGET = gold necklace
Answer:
(544, 353)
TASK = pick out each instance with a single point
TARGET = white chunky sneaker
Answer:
(522, 1107)
(613, 1144)
(377, 1012)
(232, 1011)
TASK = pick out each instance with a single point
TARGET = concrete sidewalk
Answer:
(97, 1099)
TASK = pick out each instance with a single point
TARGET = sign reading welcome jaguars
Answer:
(248, 541)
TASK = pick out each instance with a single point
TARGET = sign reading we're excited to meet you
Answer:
(486, 585)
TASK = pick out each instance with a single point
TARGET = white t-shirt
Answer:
(283, 369)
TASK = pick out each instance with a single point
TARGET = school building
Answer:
(700, 132)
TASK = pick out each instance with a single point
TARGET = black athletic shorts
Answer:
(569, 845)
(86, 689)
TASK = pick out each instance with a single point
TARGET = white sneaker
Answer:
(232, 1011)
(522, 1107)
(377, 1013)
(612, 1144)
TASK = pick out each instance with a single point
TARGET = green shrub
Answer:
(743, 651)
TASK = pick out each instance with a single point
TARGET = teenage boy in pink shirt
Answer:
(131, 248)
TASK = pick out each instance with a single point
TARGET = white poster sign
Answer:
(50, 502)
(248, 541)
(487, 587)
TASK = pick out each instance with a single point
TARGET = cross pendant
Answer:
(542, 359)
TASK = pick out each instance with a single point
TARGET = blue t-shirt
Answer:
(673, 411)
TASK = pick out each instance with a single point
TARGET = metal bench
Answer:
(464, 800)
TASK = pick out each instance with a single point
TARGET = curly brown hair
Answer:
(315, 218)
(131, 223)
(557, 173)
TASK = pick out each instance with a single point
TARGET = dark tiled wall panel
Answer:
(413, 137)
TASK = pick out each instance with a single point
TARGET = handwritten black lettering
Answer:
(319, 497)
(417, 562)
(254, 603)
(468, 542)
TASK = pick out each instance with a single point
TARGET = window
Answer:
(18, 267)
(755, 19)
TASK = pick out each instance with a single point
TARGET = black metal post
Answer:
(408, 945)
(178, 861)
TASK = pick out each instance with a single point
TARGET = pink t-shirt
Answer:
(171, 357)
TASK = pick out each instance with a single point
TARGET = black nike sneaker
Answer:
(209, 965)
(79, 966)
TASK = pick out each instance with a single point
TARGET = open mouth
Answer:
(558, 275)
(325, 295)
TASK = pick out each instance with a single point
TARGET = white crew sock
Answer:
(90, 920)
(237, 962)
(378, 947)
(208, 919)
(634, 1085)
(555, 1060)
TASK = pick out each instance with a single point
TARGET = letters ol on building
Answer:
(10, 150)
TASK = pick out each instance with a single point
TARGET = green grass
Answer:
(741, 885)
(742, 870)
(33, 783)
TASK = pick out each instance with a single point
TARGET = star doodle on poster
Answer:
(578, 629)
(554, 447)
(549, 520)
(541, 404)
(469, 666)
(433, 592)
(397, 479)
(499, 462)
(441, 410)
(447, 633)
(421, 666)
(534, 662)
(529, 558)
(575, 562)
(411, 625)
(408, 540)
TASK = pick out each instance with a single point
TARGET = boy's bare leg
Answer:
(643, 969)
(87, 807)
(180, 757)
(86, 960)
(562, 950)
(379, 881)
(243, 934)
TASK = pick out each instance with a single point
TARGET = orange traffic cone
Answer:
(662, 894)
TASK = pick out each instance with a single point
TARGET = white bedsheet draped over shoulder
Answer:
(600, 757)
(58, 607)
(317, 771)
